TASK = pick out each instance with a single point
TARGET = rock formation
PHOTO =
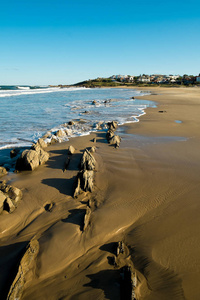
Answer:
(88, 161)
(85, 177)
(31, 159)
(9, 197)
(120, 248)
(87, 218)
(3, 171)
(24, 271)
(110, 135)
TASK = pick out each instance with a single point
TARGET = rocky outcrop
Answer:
(87, 217)
(24, 271)
(88, 161)
(110, 135)
(3, 171)
(31, 159)
(85, 177)
(120, 248)
(9, 197)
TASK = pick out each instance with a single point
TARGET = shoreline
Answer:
(146, 194)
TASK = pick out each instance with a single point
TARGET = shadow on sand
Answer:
(10, 257)
(64, 186)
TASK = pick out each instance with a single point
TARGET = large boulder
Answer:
(28, 160)
(31, 159)
(3, 171)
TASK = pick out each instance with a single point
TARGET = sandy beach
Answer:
(146, 194)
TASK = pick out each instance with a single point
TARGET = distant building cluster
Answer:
(157, 79)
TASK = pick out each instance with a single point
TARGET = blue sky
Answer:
(52, 42)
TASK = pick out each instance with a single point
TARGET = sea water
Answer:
(27, 113)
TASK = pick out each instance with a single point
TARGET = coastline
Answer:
(146, 194)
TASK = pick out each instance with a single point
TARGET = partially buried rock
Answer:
(84, 182)
(25, 271)
(3, 171)
(71, 150)
(115, 140)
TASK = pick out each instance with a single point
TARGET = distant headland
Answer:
(141, 80)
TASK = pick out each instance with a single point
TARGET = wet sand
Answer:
(146, 194)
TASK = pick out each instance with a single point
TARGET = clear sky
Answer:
(66, 41)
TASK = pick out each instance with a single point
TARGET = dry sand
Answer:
(146, 194)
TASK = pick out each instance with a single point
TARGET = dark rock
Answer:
(162, 111)
(112, 261)
(14, 152)
(94, 102)
(71, 123)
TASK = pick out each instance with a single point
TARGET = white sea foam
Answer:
(28, 91)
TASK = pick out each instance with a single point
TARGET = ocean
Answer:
(27, 113)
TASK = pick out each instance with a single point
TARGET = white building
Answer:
(198, 78)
